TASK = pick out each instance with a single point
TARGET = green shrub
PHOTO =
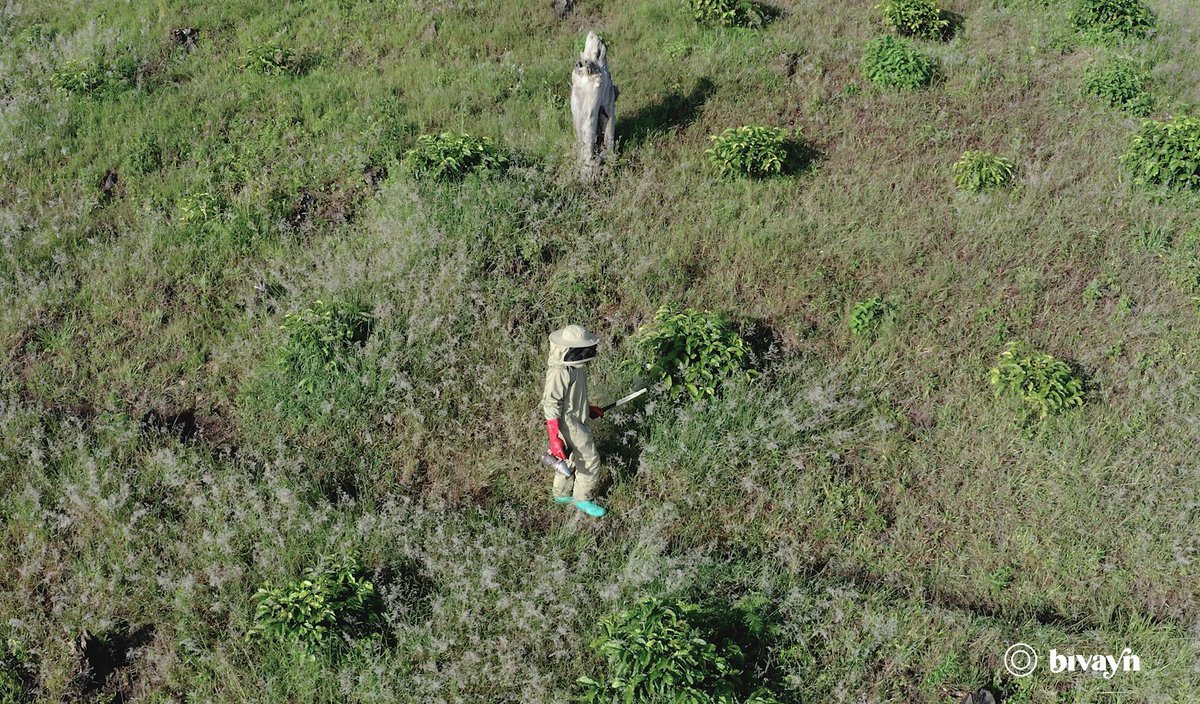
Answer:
(338, 598)
(749, 151)
(978, 171)
(692, 351)
(1166, 153)
(727, 13)
(1041, 383)
(1120, 83)
(896, 63)
(320, 342)
(450, 155)
(656, 652)
(95, 76)
(867, 315)
(199, 208)
(1100, 18)
(272, 60)
(915, 18)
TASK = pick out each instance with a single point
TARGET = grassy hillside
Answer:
(176, 212)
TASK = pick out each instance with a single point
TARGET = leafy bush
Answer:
(749, 151)
(1120, 83)
(915, 18)
(338, 598)
(656, 652)
(866, 316)
(199, 208)
(95, 76)
(978, 171)
(1101, 18)
(727, 13)
(1041, 383)
(896, 63)
(692, 351)
(450, 155)
(319, 342)
(272, 60)
(1166, 153)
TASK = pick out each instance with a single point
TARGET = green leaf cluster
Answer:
(692, 351)
(891, 62)
(915, 18)
(1121, 83)
(750, 150)
(199, 208)
(320, 342)
(451, 155)
(1112, 18)
(1043, 384)
(867, 315)
(272, 60)
(727, 13)
(1166, 153)
(336, 598)
(96, 76)
(657, 652)
(978, 171)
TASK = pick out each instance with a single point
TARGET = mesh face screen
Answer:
(579, 354)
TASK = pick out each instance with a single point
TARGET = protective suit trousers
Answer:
(582, 486)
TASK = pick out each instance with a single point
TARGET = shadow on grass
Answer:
(672, 111)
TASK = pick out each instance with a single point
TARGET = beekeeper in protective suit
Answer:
(565, 404)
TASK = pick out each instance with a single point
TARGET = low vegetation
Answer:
(727, 13)
(692, 352)
(452, 155)
(751, 150)
(867, 315)
(337, 599)
(977, 171)
(1120, 83)
(1042, 384)
(896, 63)
(1108, 19)
(915, 18)
(1166, 153)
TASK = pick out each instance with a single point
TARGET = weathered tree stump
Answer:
(593, 107)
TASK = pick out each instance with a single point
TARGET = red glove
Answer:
(556, 444)
(595, 412)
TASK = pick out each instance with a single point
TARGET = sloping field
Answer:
(244, 338)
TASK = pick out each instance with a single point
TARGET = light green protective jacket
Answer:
(566, 392)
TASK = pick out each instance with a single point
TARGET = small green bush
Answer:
(867, 315)
(95, 76)
(895, 63)
(450, 155)
(1101, 18)
(692, 351)
(1120, 83)
(338, 598)
(272, 60)
(978, 171)
(1044, 385)
(749, 151)
(727, 13)
(915, 18)
(199, 208)
(1166, 153)
(320, 340)
(656, 652)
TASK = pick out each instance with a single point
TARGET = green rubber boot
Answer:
(592, 509)
(562, 499)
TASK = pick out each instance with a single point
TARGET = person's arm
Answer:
(557, 379)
